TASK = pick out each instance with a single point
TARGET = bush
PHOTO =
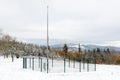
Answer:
(117, 59)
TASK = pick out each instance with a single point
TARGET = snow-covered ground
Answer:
(58, 65)
(13, 71)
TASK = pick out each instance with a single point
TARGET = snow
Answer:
(13, 71)
(112, 43)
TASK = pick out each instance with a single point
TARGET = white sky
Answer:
(94, 21)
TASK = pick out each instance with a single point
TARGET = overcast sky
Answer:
(96, 21)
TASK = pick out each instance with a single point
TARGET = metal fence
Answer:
(58, 65)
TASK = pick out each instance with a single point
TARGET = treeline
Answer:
(11, 47)
(98, 55)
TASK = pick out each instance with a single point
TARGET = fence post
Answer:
(30, 62)
(41, 64)
(44, 66)
(69, 62)
(95, 64)
(88, 65)
(64, 65)
(74, 63)
(79, 65)
(33, 63)
(39, 61)
(83, 64)
(52, 61)
(23, 63)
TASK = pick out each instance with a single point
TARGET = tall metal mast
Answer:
(47, 39)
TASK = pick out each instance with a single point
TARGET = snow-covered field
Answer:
(13, 71)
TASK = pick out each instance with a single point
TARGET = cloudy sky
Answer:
(87, 21)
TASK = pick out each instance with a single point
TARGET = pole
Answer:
(69, 62)
(47, 39)
(79, 65)
(52, 61)
(74, 63)
(64, 63)
(95, 64)
(33, 63)
(23, 63)
(88, 65)
(30, 62)
(41, 64)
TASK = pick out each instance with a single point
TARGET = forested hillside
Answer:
(9, 46)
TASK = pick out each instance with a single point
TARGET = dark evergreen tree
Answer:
(79, 49)
(108, 50)
(98, 50)
(65, 48)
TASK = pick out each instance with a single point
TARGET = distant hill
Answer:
(74, 47)
(58, 44)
